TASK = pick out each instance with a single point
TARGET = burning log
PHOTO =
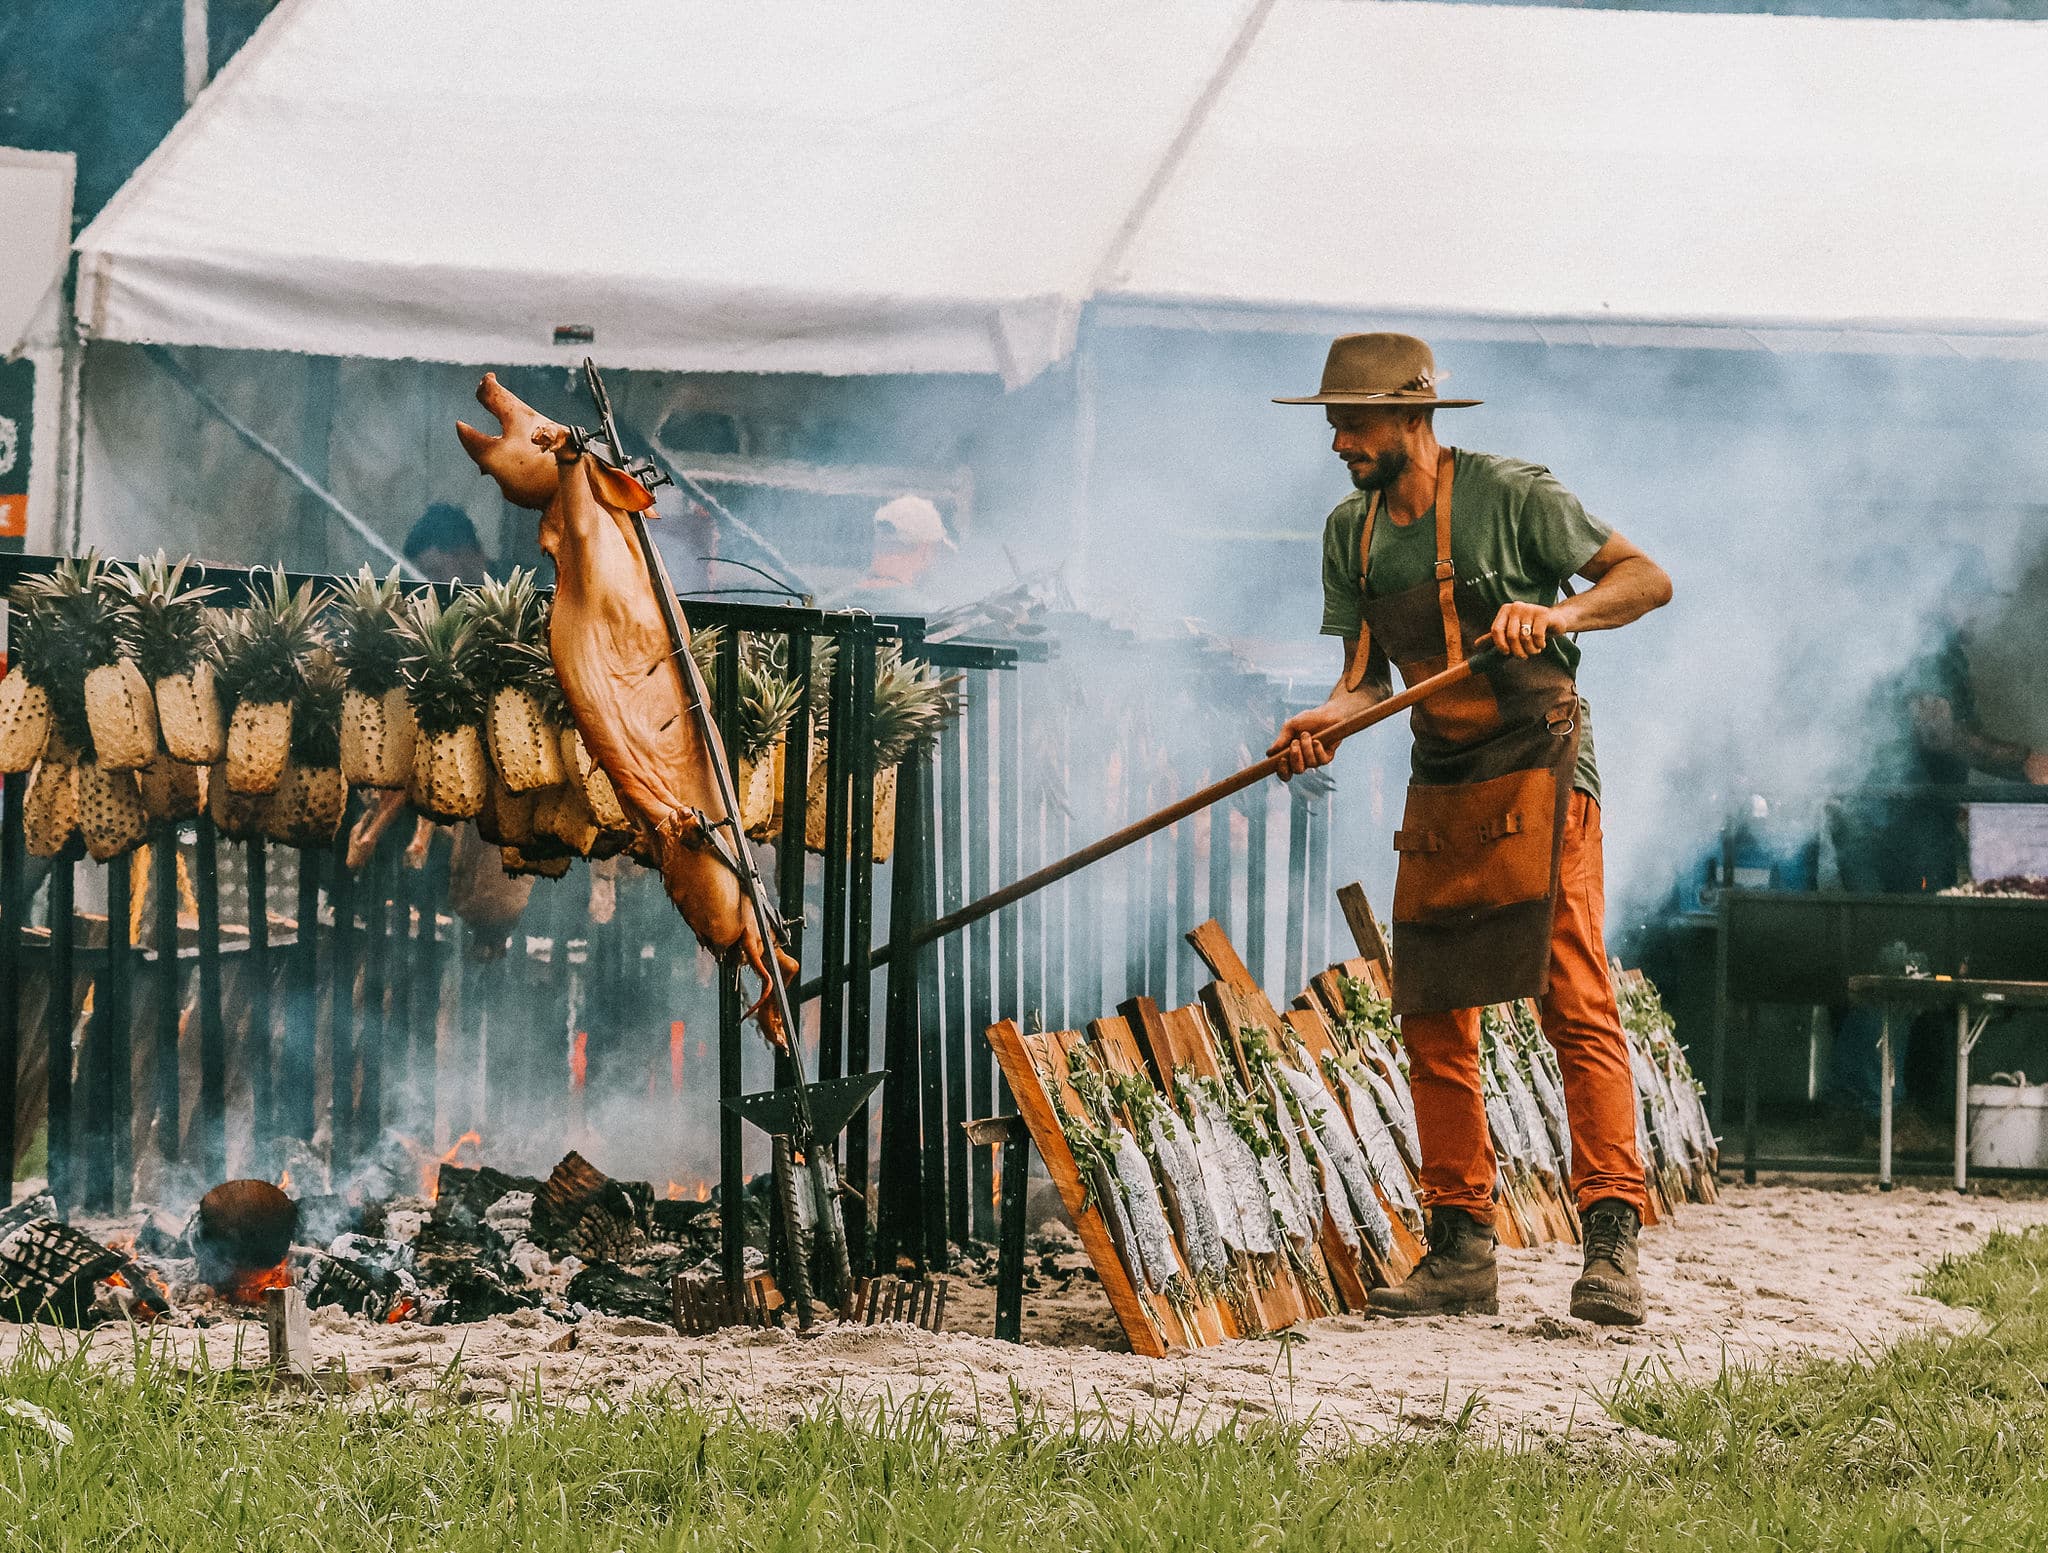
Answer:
(581, 1210)
(47, 1268)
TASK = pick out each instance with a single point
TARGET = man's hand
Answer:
(1302, 743)
(2037, 768)
(1523, 630)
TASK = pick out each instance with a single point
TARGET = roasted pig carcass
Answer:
(611, 652)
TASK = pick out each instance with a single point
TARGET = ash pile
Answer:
(484, 1243)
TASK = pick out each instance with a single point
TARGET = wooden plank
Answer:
(1014, 1053)
(1116, 1050)
(1365, 927)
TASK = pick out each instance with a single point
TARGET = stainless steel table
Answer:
(1975, 1003)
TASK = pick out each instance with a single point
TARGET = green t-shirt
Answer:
(1516, 534)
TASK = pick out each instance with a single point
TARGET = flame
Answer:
(284, 1179)
(703, 1191)
(579, 1059)
(247, 1287)
(674, 1192)
(430, 1170)
(676, 1031)
(398, 1313)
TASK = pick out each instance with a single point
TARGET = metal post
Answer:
(65, 1165)
(796, 762)
(295, 1069)
(1255, 816)
(1009, 844)
(341, 993)
(1294, 961)
(1750, 1057)
(1185, 974)
(13, 907)
(213, 1037)
(732, 1173)
(898, 1201)
(376, 983)
(931, 1049)
(1884, 1107)
(114, 1048)
(1220, 870)
(1159, 956)
(163, 888)
(1963, 1045)
(947, 839)
(838, 763)
(1010, 1258)
(981, 989)
(256, 990)
(1318, 913)
(860, 897)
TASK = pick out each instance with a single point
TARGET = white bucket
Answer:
(2009, 1124)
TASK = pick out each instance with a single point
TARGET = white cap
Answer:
(915, 520)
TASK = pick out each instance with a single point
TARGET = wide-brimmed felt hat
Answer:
(1396, 371)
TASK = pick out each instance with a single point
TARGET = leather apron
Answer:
(1483, 833)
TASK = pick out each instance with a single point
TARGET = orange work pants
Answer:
(1580, 1021)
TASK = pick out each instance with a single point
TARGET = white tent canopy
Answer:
(744, 185)
(913, 186)
(35, 213)
(1617, 177)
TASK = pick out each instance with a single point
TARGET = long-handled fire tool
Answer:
(1160, 819)
(801, 1117)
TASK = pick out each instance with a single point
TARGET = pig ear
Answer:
(619, 490)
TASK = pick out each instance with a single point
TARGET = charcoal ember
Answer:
(476, 1293)
(442, 1253)
(360, 1288)
(384, 1255)
(615, 1291)
(682, 1223)
(582, 1211)
(465, 1194)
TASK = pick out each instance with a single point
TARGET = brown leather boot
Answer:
(1608, 1292)
(1456, 1276)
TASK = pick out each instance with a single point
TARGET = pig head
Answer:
(611, 653)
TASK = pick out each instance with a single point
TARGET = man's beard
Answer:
(1384, 470)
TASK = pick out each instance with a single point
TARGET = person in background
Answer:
(909, 533)
(1899, 833)
(443, 544)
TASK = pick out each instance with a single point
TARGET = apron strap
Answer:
(1354, 671)
(1454, 635)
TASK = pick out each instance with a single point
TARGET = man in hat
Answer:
(1443, 556)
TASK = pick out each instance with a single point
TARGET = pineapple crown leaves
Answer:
(316, 714)
(365, 618)
(267, 644)
(911, 705)
(440, 662)
(173, 632)
(68, 623)
(510, 615)
(769, 698)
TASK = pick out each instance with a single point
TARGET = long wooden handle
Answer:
(1159, 820)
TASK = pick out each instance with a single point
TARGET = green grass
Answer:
(1937, 1443)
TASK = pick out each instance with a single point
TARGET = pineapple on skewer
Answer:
(306, 808)
(170, 788)
(523, 701)
(603, 798)
(49, 810)
(174, 652)
(110, 812)
(769, 701)
(24, 693)
(264, 651)
(450, 777)
(377, 728)
(84, 637)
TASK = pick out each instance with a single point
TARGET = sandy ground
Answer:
(1773, 1270)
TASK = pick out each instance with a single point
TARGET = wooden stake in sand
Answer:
(290, 1332)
